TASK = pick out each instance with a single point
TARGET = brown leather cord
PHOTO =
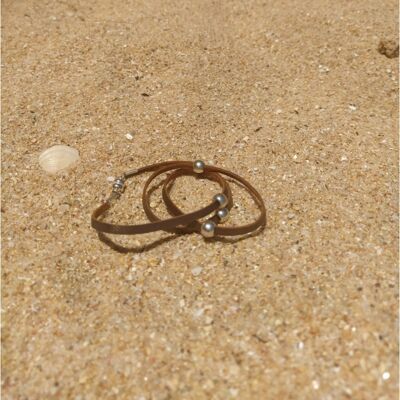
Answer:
(179, 223)
(167, 224)
(219, 230)
(195, 226)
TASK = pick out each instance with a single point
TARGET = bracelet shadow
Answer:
(232, 240)
(149, 246)
(134, 249)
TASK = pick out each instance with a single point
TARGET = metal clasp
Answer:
(119, 185)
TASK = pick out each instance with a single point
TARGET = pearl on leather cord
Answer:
(222, 200)
(198, 166)
(223, 214)
(207, 229)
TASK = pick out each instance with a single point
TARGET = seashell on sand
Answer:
(58, 158)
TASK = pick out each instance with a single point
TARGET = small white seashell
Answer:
(196, 271)
(58, 158)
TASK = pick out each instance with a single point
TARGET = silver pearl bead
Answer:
(222, 200)
(207, 229)
(223, 214)
(198, 166)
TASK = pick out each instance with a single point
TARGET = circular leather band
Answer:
(195, 226)
(219, 230)
(167, 224)
(180, 222)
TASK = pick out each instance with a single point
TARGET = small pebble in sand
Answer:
(352, 107)
(199, 312)
(343, 158)
(389, 48)
(110, 179)
(130, 277)
(386, 376)
(323, 68)
(129, 136)
(196, 271)
(234, 392)
(315, 384)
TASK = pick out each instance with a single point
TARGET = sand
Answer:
(300, 98)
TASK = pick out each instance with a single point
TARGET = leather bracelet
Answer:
(180, 222)
(210, 228)
(219, 201)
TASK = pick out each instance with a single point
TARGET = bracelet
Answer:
(180, 222)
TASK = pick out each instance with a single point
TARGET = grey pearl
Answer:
(223, 214)
(222, 200)
(207, 229)
(198, 166)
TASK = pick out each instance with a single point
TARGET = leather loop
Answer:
(179, 222)
(195, 226)
(219, 230)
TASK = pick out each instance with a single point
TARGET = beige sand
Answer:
(293, 95)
